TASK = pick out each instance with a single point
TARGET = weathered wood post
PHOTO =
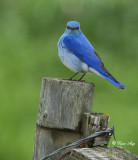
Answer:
(61, 107)
(65, 115)
(101, 153)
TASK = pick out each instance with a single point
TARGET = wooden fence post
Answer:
(61, 108)
(65, 116)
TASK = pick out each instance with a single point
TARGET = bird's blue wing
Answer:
(81, 47)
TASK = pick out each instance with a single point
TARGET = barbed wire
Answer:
(81, 141)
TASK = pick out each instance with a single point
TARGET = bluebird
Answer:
(77, 53)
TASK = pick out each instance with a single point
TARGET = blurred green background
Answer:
(29, 32)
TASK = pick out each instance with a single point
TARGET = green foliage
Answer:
(29, 32)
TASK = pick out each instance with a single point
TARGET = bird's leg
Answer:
(81, 77)
(73, 76)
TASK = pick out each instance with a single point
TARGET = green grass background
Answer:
(29, 32)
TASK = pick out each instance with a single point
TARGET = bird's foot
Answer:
(81, 77)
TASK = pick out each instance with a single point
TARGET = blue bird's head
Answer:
(73, 28)
(73, 25)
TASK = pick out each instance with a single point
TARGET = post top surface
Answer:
(67, 80)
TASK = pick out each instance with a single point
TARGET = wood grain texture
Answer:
(98, 122)
(85, 126)
(61, 107)
(62, 103)
(101, 153)
(49, 140)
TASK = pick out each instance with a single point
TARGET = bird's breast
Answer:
(70, 60)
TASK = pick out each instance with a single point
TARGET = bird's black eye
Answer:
(72, 28)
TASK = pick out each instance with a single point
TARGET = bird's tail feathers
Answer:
(115, 82)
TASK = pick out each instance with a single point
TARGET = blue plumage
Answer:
(77, 53)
